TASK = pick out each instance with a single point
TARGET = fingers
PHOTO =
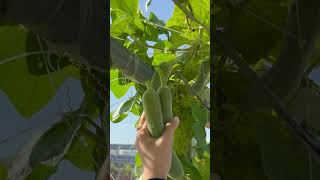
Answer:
(141, 121)
(142, 130)
(170, 129)
(144, 126)
(143, 133)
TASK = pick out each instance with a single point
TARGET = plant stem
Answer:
(192, 90)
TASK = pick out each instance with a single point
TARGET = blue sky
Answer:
(125, 132)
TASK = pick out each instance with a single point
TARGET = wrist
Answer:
(149, 174)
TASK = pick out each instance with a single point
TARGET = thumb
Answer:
(171, 126)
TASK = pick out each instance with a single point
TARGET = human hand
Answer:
(155, 154)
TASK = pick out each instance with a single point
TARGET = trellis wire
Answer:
(20, 56)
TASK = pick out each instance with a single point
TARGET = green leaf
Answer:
(41, 172)
(138, 166)
(126, 25)
(201, 115)
(122, 111)
(28, 93)
(179, 22)
(160, 58)
(136, 109)
(199, 112)
(81, 152)
(121, 26)
(139, 24)
(201, 11)
(189, 169)
(190, 69)
(205, 95)
(128, 6)
(138, 160)
(163, 44)
(120, 118)
(200, 135)
(117, 89)
(203, 165)
(153, 18)
(3, 172)
(54, 143)
(150, 33)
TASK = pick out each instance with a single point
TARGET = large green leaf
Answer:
(201, 10)
(27, 162)
(55, 143)
(27, 92)
(122, 111)
(117, 89)
(124, 24)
